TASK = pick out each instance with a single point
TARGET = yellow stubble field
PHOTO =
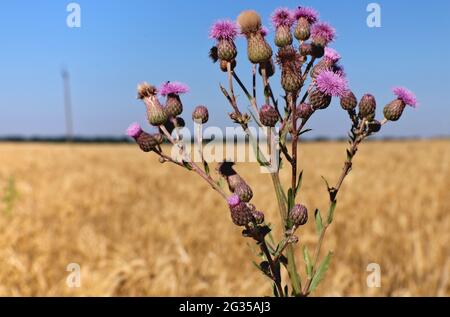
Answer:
(136, 227)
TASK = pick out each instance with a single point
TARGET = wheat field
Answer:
(138, 228)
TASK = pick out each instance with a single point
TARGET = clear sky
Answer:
(121, 43)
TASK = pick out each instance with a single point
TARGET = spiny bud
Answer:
(268, 116)
(226, 50)
(348, 101)
(374, 126)
(269, 67)
(200, 114)
(283, 36)
(145, 141)
(259, 217)
(224, 65)
(299, 215)
(302, 30)
(241, 214)
(318, 68)
(306, 49)
(394, 110)
(304, 110)
(173, 90)
(319, 100)
(291, 80)
(317, 50)
(244, 192)
(259, 51)
(367, 106)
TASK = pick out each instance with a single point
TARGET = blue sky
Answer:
(121, 43)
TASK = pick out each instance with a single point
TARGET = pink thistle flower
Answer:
(331, 84)
(134, 130)
(406, 96)
(173, 88)
(332, 55)
(224, 30)
(282, 17)
(323, 32)
(233, 201)
(309, 14)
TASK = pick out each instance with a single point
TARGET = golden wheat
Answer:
(137, 228)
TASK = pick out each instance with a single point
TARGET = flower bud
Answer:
(244, 192)
(155, 112)
(304, 110)
(259, 217)
(283, 36)
(291, 80)
(394, 110)
(269, 67)
(259, 51)
(268, 116)
(348, 101)
(374, 126)
(367, 106)
(241, 214)
(302, 31)
(224, 65)
(319, 100)
(226, 50)
(299, 215)
(200, 114)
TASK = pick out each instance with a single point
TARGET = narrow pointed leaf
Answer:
(308, 262)
(321, 270)
(299, 184)
(319, 224)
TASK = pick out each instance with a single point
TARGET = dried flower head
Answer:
(173, 88)
(249, 21)
(406, 96)
(146, 90)
(331, 84)
(224, 30)
(282, 17)
(322, 33)
(309, 14)
(134, 130)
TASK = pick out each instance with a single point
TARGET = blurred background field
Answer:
(138, 228)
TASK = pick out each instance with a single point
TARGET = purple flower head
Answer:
(309, 14)
(134, 130)
(264, 31)
(233, 201)
(406, 96)
(282, 17)
(331, 84)
(332, 55)
(224, 30)
(323, 31)
(173, 88)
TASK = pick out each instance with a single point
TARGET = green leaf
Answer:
(331, 212)
(187, 165)
(308, 262)
(299, 183)
(318, 276)
(319, 223)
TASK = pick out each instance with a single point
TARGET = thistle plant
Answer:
(311, 78)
